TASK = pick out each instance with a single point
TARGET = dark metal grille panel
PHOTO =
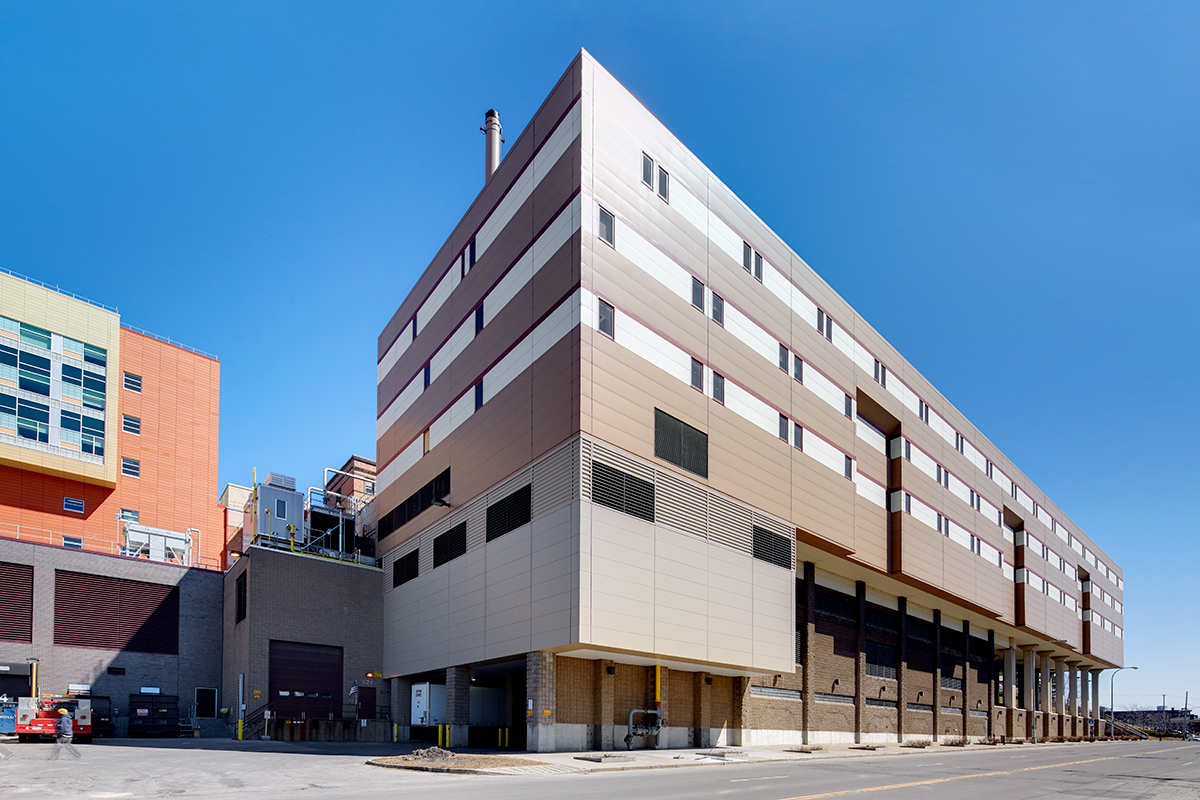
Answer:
(681, 444)
(115, 614)
(450, 545)
(772, 548)
(836, 605)
(510, 513)
(240, 598)
(881, 660)
(16, 600)
(406, 568)
(622, 491)
(919, 629)
(417, 502)
(882, 618)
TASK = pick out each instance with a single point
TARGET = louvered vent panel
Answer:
(476, 523)
(585, 469)
(16, 600)
(729, 524)
(510, 485)
(114, 614)
(555, 479)
(623, 462)
(680, 504)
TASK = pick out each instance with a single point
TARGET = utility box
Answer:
(428, 704)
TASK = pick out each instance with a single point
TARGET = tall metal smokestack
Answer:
(493, 133)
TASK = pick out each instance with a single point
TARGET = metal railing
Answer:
(312, 549)
(58, 289)
(168, 340)
(90, 544)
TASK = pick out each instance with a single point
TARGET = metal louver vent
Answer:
(405, 568)
(115, 614)
(680, 444)
(16, 598)
(510, 513)
(621, 491)
(772, 548)
(680, 504)
(450, 545)
(555, 479)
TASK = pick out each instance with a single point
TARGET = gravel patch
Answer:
(436, 759)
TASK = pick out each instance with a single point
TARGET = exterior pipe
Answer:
(494, 133)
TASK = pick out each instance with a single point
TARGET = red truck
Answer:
(37, 716)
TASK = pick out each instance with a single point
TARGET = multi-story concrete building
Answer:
(108, 434)
(635, 455)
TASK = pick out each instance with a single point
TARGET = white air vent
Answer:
(281, 482)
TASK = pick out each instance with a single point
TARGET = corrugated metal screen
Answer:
(115, 614)
(16, 598)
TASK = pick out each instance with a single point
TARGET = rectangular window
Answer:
(939, 473)
(907, 503)
(479, 320)
(849, 467)
(425, 442)
(880, 374)
(133, 382)
(746, 256)
(72, 505)
(621, 491)
(797, 368)
(680, 444)
(607, 320)
(95, 355)
(73, 542)
(281, 509)
(8, 363)
(836, 605)
(849, 406)
(772, 548)
(1014, 489)
(989, 469)
(719, 388)
(471, 253)
(758, 267)
(941, 526)
(783, 427)
(510, 513)
(881, 660)
(698, 294)
(428, 373)
(93, 390)
(240, 598)
(131, 467)
(414, 327)
(33, 373)
(798, 437)
(462, 263)
(450, 545)
(648, 170)
(369, 487)
(718, 309)
(664, 184)
(128, 515)
(406, 568)
(479, 395)
(131, 424)
(33, 420)
(923, 411)
(35, 336)
(907, 450)
(959, 442)
(784, 356)
(607, 227)
(697, 375)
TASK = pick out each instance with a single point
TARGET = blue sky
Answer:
(1009, 193)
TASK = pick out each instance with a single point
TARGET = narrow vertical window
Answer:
(797, 368)
(877, 369)
(907, 503)
(427, 375)
(479, 320)
(698, 294)
(883, 376)
(697, 375)
(607, 232)
(939, 473)
(783, 357)
(1014, 489)
(664, 182)
(648, 170)
(798, 437)
(849, 467)
(783, 427)
(425, 442)
(820, 322)
(718, 310)
(849, 406)
(719, 388)
(471, 248)
(758, 267)
(479, 395)
(414, 328)
(989, 469)
(907, 450)
(462, 263)
(607, 317)
(746, 255)
(939, 523)
(829, 327)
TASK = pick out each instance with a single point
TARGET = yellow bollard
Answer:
(239, 730)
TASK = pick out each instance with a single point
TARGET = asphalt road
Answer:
(220, 769)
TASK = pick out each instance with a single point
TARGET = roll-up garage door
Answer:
(305, 680)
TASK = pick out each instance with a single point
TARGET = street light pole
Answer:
(1033, 664)
(1111, 695)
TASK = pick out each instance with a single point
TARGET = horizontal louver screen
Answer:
(405, 568)
(622, 491)
(772, 548)
(836, 605)
(417, 502)
(16, 602)
(881, 660)
(510, 513)
(681, 444)
(450, 545)
(115, 614)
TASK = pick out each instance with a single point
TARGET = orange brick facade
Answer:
(179, 410)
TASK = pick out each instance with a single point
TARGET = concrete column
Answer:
(401, 707)
(1073, 696)
(806, 652)
(702, 708)
(1028, 690)
(860, 662)
(1100, 727)
(991, 690)
(1060, 698)
(1010, 689)
(741, 691)
(902, 669)
(540, 690)
(458, 704)
(1044, 694)
(967, 682)
(605, 683)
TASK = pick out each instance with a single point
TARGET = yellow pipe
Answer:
(657, 685)
(33, 678)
